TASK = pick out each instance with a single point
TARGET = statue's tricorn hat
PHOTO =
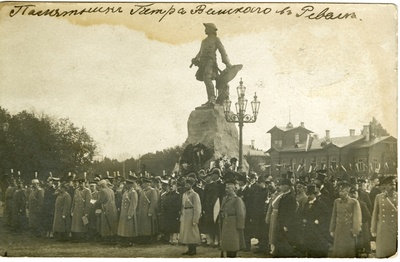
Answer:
(210, 25)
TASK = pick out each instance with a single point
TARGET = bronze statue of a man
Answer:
(206, 60)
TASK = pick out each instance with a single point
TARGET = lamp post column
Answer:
(240, 144)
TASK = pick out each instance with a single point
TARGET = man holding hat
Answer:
(206, 60)
(384, 222)
(108, 218)
(345, 223)
(80, 210)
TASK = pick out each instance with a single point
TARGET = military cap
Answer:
(191, 181)
(344, 184)
(361, 180)
(311, 189)
(230, 181)
(353, 180)
(145, 180)
(210, 25)
(253, 175)
(35, 181)
(321, 176)
(241, 177)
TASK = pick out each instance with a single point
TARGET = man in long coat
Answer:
(8, 203)
(19, 208)
(286, 221)
(245, 193)
(171, 209)
(345, 223)
(147, 212)
(49, 201)
(189, 233)
(109, 220)
(384, 220)
(127, 227)
(210, 198)
(80, 210)
(232, 219)
(314, 216)
(35, 208)
(62, 215)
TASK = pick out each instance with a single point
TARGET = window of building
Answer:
(278, 142)
(323, 162)
(375, 164)
(296, 137)
(333, 163)
(360, 165)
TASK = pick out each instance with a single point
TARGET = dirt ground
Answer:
(29, 246)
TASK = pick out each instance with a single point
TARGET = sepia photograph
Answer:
(198, 130)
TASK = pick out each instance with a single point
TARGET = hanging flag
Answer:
(298, 168)
(324, 166)
(386, 166)
(315, 168)
(370, 166)
(344, 168)
(379, 165)
(310, 169)
(358, 169)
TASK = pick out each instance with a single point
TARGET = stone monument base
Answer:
(207, 125)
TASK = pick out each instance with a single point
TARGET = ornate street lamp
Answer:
(241, 117)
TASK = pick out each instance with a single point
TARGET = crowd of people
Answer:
(294, 215)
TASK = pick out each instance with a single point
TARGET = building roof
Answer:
(345, 140)
(248, 151)
(376, 140)
(285, 129)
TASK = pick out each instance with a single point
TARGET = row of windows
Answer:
(360, 165)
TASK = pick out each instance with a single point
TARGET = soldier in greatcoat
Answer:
(127, 227)
(232, 220)
(245, 193)
(49, 201)
(109, 220)
(189, 233)
(384, 222)
(147, 212)
(80, 210)
(8, 203)
(345, 223)
(35, 207)
(62, 215)
(314, 216)
(19, 208)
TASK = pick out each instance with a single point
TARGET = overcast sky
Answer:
(126, 78)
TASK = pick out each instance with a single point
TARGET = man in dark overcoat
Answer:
(286, 240)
